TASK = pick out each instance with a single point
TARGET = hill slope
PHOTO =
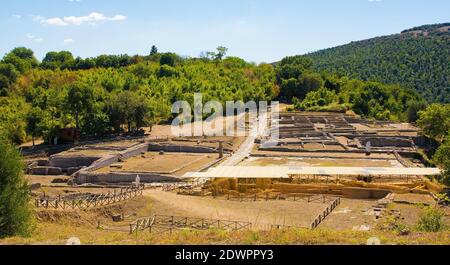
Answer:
(417, 58)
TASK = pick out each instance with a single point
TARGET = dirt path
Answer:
(247, 146)
(261, 214)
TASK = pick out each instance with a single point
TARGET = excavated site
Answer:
(326, 170)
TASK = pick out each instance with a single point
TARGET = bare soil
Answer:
(262, 214)
(168, 163)
(351, 214)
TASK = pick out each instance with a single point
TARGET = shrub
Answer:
(431, 220)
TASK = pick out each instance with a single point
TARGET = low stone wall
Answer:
(54, 171)
(359, 151)
(71, 161)
(364, 193)
(117, 177)
(134, 151)
(291, 155)
(167, 147)
(102, 162)
(42, 162)
(108, 148)
(386, 142)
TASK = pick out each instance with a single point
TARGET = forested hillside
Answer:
(311, 91)
(417, 58)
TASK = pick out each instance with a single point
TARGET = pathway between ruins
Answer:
(247, 146)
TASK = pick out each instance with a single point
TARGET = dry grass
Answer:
(54, 234)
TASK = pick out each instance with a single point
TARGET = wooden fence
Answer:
(89, 201)
(325, 213)
(184, 186)
(282, 197)
(284, 227)
(169, 223)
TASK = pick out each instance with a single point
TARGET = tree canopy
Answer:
(416, 58)
(114, 94)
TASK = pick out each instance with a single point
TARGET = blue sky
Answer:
(256, 30)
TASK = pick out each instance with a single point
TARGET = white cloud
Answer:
(92, 18)
(68, 40)
(375, 1)
(34, 38)
(17, 16)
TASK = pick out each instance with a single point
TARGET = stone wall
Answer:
(134, 151)
(386, 142)
(71, 161)
(116, 177)
(102, 162)
(44, 170)
(363, 193)
(167, 147)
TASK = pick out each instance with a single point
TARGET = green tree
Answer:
(154, 50)
(34, 123)
(22, 58)
(435, 121)
(221, 52)
(131, 109)
(442, 158)
(80, 99)
(15, 212)
(414, 107)
(9, 72)
(169, 59)
(58, 60)
(12, 118)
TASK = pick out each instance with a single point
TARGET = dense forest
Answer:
(417, 58)
(117, 93)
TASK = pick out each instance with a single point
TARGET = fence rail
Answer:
(168, 223)
(284, 197)
(90, 201)
(319, 219)
(183, 186)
